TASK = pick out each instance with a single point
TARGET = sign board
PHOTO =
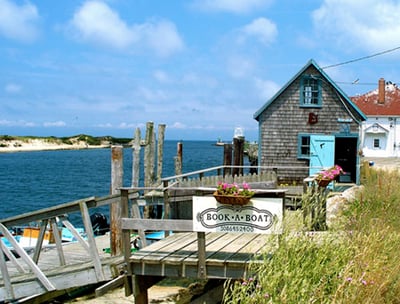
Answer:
(260, 215)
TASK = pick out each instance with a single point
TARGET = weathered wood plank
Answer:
(152, 224)
(177, 238)
(235, 245)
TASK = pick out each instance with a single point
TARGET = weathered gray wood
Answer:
(76, 234)
(178, 256)
(227, 159)
(4, 272)
(136, 159)
(136, 214)
(39, 243)
(111, 285)
(178, 158)
(54, 211)
(63, 278)
(117, 173)
(92, 243)
(57, 239)
(26, 258)
(201, 245)
(160, 151)
(12, 258)
(152, 224)
(141, 284)
(148, 160)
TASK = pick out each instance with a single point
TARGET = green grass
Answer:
(357, 262)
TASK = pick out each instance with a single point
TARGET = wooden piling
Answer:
(178, 158)
(117, 171)
(136, 159)
(160, 150)
(238, 152)
(227, 159)
(148, 159)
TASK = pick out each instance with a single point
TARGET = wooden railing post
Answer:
(201, 244)
(117, 173)
(126, 242)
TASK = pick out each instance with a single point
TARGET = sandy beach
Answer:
(36, 144)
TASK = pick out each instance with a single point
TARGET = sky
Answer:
(201, 67)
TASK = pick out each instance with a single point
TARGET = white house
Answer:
(380, 136)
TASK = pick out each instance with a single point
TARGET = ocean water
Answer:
(31, 181)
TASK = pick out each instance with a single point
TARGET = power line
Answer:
(362, 58)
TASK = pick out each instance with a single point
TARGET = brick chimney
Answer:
(381, 91)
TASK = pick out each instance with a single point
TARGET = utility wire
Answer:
(362, 58)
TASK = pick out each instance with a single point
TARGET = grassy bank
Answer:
(357, 262)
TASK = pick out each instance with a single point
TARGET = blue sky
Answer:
(202, 67)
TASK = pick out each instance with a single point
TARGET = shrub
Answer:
(356, 265)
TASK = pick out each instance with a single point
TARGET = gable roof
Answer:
(311, 62)
(369, 104)
(376, 128)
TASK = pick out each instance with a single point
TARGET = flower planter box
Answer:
(232, 199)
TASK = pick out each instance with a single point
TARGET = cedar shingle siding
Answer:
(283, 118)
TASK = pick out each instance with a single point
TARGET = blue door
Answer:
(322, 152)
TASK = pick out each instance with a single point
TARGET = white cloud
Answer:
(124, 125)
(59, 123)
(16, 123)
(178, 125)
(98, 23)
(266, 88)
(12, 88)
(18, 22)
(372, 25)
(264, 30)
(239, 66)
(161, 76)
(95, 22)
(232, 6)
(162, 37)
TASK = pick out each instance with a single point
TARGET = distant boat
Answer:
(219, 142)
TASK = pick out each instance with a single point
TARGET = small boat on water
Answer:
(219, 142)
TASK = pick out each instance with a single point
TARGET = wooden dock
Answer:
(192, 253)
(44, 272)
(79, 271)
(227, 255)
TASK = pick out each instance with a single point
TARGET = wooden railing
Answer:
(53, 217)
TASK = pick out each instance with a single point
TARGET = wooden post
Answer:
(238, 151)
(227, 159)
(160, 151)
(148, 160)
(178, 158)
(136, 159)
(116, 208)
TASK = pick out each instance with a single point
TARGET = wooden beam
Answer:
(201, 245)
(57, 238)
(111, 285)
(117, 172)
(5, 275)
(141, 285)
(27, 259)
(152, 224)
(92, 243)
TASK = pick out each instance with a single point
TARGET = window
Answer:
(303, 146)
(376, 143)
(310, 92)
